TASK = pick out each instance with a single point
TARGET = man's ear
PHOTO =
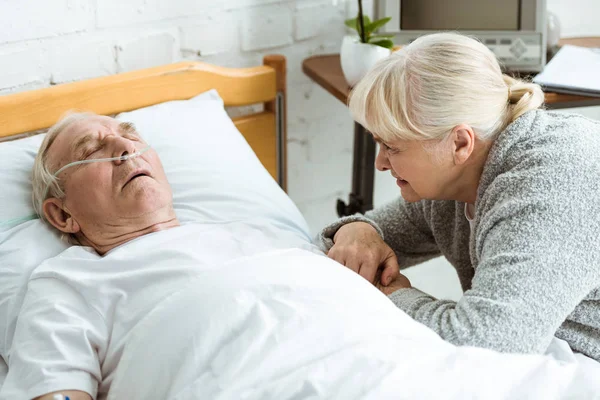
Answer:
(57, 214)
(463, 143)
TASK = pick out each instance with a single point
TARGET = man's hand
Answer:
(358, 246)
(401, 282)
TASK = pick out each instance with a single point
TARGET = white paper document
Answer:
(574, 70)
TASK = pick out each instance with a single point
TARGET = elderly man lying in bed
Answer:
(145, 307)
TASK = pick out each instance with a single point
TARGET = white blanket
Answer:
(289, 324)
(80, 308)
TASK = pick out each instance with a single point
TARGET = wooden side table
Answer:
(326, 70)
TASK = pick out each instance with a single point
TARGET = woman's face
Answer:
(420, 173)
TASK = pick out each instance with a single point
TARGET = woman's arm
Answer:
(403, 227)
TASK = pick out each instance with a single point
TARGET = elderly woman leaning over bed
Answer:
(508, 193)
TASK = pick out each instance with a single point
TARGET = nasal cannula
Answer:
(120, 158)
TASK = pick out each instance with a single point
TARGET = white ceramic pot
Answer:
(357, 58)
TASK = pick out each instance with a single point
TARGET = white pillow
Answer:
(16, 162)
(214, 174)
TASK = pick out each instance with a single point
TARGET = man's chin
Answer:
(147, 202)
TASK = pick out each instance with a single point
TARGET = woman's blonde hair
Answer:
(439, 81)
(43, 181)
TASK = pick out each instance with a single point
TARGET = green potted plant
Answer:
(360, 51)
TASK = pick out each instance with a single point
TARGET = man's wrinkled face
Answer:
(107, 192)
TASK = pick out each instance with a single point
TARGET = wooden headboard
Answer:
(265, 131)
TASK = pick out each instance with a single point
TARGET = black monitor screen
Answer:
(495, 15)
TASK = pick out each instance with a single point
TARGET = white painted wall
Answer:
(44, 42)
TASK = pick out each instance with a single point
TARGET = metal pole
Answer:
(363, 174)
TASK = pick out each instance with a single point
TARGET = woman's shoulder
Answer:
(544, 153)
(546, 123)
(566, 124)
(541, 137)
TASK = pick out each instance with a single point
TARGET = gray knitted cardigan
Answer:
(530, 267)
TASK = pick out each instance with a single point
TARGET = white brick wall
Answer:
(33, 19)
(87, 58)
(266, 27)
(149, 50)
(125, 13)
(313, 19)
(45, 42)
(198, 37)
(22, 65)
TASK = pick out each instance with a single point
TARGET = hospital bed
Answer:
(177, 108)
(255, 95)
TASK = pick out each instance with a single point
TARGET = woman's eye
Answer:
(392, 150)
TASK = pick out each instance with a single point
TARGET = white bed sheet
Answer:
(257, 333)
(558, 349)
(253, 327)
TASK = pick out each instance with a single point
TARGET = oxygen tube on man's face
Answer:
(74, 163)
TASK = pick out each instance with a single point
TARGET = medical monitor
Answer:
(515, 30)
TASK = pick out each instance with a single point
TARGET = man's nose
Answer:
(122, 147)
(381, 161)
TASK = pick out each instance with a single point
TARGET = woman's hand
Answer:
(358, 246)
(401, 282)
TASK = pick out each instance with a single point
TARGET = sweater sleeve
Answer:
(403, 227)
(537, 259)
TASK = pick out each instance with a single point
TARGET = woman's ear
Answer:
(463, 143)
(57, 214)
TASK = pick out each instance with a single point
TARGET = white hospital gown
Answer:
(80, 307)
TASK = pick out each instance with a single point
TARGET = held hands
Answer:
(401, 282)
(358, 246)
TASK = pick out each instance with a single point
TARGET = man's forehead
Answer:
(63, 143)
(89, 125)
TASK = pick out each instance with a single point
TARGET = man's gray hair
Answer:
(42, 177)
